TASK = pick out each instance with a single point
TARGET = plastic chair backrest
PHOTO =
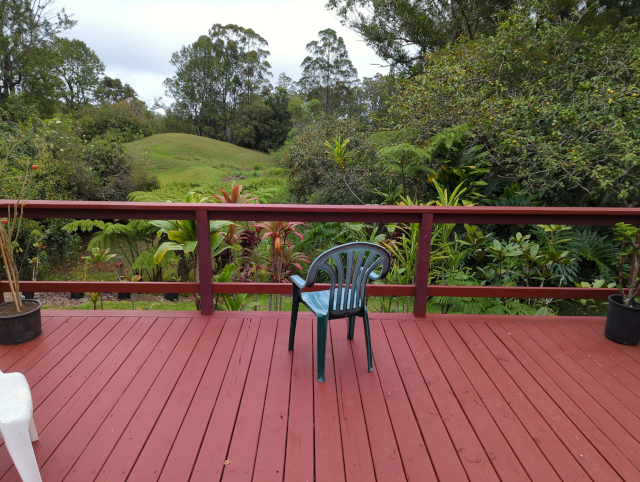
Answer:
(353, 265)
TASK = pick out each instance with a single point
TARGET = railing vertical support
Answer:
(205, 266)
(422, 269)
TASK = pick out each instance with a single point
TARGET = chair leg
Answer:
(33, 433)
(322, 345)
(352, 327)
(367, 336)
(18, 443)
(294, 319)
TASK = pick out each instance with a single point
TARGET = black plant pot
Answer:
(124, 296)
(76, 296)
(21, 327)
(623, 322)
(28, 296)
(171, 296)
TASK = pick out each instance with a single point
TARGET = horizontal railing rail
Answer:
(425, 216)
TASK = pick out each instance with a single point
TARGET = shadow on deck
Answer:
(174, 396)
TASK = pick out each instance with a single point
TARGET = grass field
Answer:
(189, 158)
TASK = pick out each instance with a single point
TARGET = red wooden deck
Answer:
(173, 396)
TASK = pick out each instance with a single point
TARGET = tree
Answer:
(79, 70)
(215, 75)
(112, 91)
(403, 31)
(328, 69)
(28, 28)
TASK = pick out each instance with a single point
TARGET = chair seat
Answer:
(318, 301)
(15, 398)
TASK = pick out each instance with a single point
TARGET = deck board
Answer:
(178, 397)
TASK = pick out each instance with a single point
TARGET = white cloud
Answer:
(135, 38)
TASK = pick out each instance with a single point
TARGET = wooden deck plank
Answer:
(38, 363)
(111, 404)
(631, 351)
(413, 451)
(113, 375)
(58, 387)
(622, 359)
(382, 440)
(68, 375)
(583, 389)
(215, 446)
(244, 442)
(170, 397)
(299, 465)
(46, 331)
(110, 432)
(185, 448)
(618, 389)
(329, 456)
(355, 442)
(444, 457)
(472, 455)
(594, 461)
(18, 359)
(121, 397)
(269, 466)
(496, 446)
(566, 466)
(520, 440)
(51, 335)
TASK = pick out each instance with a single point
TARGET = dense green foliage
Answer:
(555, 104)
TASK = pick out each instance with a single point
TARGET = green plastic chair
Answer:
(349, 266)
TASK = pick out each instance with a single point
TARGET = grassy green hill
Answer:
(184, 162)
(189, 158)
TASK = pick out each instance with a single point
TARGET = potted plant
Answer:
(133, 279)
(120, 276)
(170, 273)
(623, 317)
(79, 271)
(20, 320)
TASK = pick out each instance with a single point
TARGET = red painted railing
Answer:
(426, 216)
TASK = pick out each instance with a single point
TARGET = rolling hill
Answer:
(189, 158)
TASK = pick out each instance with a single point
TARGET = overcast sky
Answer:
(135, 38)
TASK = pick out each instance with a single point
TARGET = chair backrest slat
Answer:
(349, 274)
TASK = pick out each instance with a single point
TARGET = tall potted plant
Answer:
(623, 317)
(20, 320)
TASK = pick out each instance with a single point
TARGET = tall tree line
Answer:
(222, 87)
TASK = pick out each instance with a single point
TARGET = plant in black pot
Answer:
(120, 270)
(170, 273)
(20, 320)
(623, 317)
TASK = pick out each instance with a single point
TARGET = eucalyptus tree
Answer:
(215, 75)
(327, 70)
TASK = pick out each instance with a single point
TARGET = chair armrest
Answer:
(299, 282)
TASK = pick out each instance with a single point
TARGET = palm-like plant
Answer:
(231, 303)
(183, 236)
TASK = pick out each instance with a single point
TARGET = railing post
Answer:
(205, 266)
(422, 268)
